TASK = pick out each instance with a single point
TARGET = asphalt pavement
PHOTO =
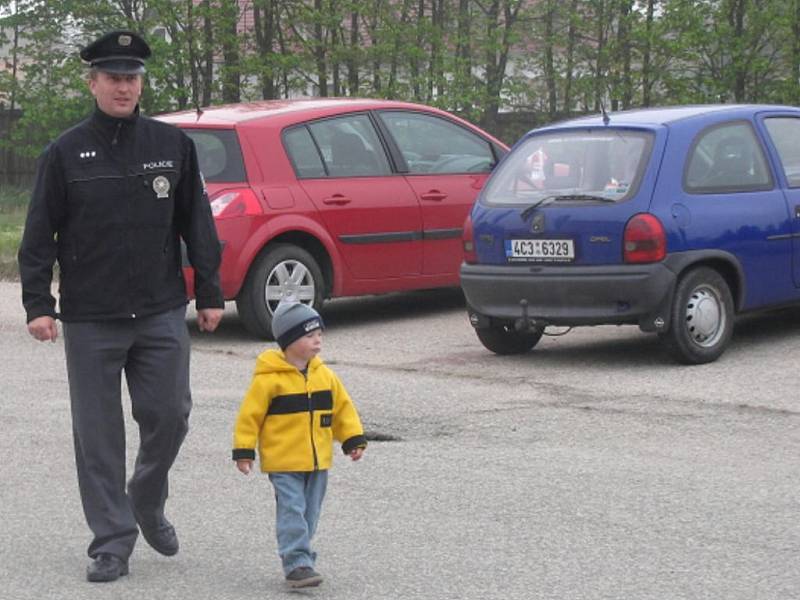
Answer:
(593, 468)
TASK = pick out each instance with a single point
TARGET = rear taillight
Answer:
(467, 238)
(235, 203)
(644, 240)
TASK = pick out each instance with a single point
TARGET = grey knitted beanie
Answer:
(293, 320)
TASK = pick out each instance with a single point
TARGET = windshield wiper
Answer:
(563, 198)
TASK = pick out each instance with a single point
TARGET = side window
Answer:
(727, 159)
(350, 147)
(433, 145)
(303, 153)
(785, 134)
(219, 154)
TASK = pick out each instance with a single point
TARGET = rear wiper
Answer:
(563, 198)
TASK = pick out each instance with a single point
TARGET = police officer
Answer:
(113, 197)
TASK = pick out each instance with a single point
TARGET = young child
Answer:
(293, 410)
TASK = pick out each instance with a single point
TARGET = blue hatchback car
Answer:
(673, 219)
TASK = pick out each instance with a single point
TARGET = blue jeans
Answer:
(298, 498)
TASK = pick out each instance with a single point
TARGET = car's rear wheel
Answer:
(281, 272)
(702, 317)
(505, 339)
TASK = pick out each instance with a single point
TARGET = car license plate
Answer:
(540, 250)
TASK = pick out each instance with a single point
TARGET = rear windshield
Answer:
(219, 154)
(603, 163)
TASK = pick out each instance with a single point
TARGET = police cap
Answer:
(121, 52)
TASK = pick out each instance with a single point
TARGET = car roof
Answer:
(286, 110)
(660, 116)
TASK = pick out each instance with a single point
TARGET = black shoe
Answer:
(303, 577)
(106, 567)
(162, 538)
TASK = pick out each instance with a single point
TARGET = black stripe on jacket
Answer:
(295, 403)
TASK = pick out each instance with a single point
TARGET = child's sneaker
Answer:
(303, 577)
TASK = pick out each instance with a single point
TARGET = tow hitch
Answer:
(525, 323)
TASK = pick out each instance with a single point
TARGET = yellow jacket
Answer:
(293, 419)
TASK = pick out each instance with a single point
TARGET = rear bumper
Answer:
(559, 295)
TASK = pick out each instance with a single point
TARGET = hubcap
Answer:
(289, 280)
(705, 317)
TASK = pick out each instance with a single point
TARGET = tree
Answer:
(648, 42)
(623, 86)
(228, 36)
(549, 16)
(573, 19)
(54, 92)
(470, 56)
(500, 18)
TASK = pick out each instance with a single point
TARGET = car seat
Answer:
(733, 162)
(349, 156)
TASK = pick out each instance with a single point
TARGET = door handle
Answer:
(336, 199)
(797, 211)
(433, 196)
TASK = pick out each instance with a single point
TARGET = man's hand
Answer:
(208, 318)
(43, 328)
(244, 465)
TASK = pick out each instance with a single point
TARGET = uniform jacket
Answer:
(293, 419)
(111, 201)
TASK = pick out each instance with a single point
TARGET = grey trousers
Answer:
(153, 352)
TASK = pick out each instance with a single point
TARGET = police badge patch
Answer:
(161, 187)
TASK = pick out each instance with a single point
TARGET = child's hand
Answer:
(356, 453)
(244, 465)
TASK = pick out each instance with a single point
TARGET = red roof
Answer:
(230, 114)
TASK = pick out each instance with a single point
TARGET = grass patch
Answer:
(13, 208)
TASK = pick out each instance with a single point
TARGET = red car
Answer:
(318, 198)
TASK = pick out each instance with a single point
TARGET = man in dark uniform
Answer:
(113, 197)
